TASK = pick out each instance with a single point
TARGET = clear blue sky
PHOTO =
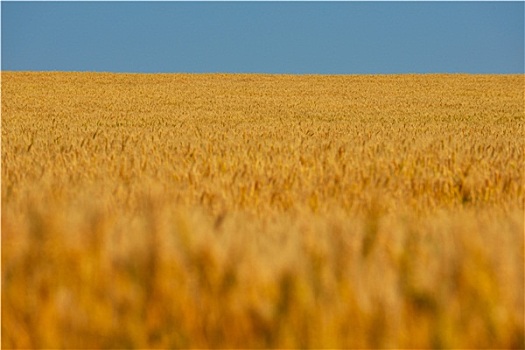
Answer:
(264, 37)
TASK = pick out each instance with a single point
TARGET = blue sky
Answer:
(264, 37)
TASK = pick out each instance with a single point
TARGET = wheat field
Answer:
(249, 211)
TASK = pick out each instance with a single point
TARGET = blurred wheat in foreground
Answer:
(205, 211)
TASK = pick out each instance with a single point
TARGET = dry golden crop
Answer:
(229, 210)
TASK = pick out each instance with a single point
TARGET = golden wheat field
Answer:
(249, 211)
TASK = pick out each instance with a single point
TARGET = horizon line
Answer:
(253, 73)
